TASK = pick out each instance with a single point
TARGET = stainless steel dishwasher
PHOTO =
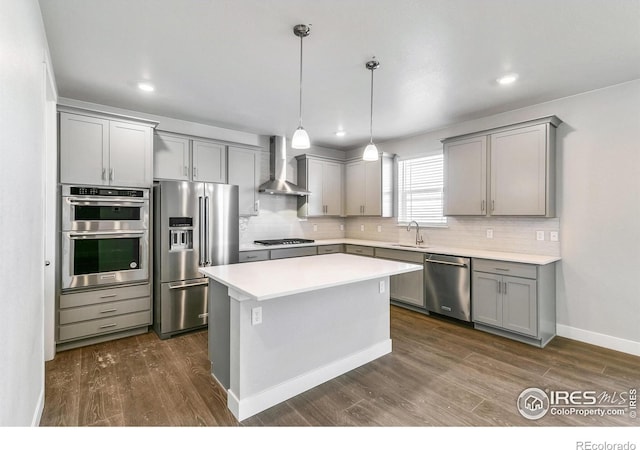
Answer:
(447, 285)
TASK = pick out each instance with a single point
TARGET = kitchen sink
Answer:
(409, 246)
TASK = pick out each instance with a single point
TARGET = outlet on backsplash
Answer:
(315, 227)
(379, 228)
(361, 227)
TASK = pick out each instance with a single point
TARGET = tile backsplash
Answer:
(278, 219)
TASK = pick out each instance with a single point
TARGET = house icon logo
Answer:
(533, 403)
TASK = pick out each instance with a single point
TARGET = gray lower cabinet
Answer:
(514, 300)
(332, 248)
(280, 253)
(254, 255)
(406, 288)
(359, 250)
(95, 316)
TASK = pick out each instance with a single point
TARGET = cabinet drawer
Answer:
(104, 295)
(256, 255)
(325, 249)
(359, 250)
(400, 255)
(280, 253)
(102, 310)
(102, 326)
(506, 268)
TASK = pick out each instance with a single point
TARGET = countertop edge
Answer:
(524, 258)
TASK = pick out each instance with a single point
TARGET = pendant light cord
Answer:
(300, 109)
(371, 116)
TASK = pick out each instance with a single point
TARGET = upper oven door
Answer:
(100, 214)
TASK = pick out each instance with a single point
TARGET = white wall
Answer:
(23, 48)
(598, 176)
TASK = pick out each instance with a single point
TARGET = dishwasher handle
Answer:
(445, 263)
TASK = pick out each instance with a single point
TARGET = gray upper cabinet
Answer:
(104, 150)
(244, 171)
(465, 163)
(508, 171)
(208, 162)
(324, 177)
(171, 157)
(369, 187)
(185, 158)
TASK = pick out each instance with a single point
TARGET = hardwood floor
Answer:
(439, 374)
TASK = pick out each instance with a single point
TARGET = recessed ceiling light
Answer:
(508, 79)
(341, 133)
(146, 87)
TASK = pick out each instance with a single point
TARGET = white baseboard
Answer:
(247, 407)
(599, 339)
(37, 415)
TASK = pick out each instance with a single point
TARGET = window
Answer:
(420, 183)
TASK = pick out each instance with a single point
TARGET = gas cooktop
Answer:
(291, 241)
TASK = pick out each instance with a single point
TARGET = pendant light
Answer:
(300, 138)
(371, 151)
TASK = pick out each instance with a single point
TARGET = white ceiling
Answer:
(235, 63)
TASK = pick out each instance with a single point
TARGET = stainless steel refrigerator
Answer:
(195, 225)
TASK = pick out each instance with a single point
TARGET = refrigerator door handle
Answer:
(207, 248)
(201, 231)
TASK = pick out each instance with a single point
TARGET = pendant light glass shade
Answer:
(371, 151)
(300, 139)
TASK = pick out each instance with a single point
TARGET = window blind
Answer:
(420, 185)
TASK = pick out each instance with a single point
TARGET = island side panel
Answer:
(219, 332)
(304, 340)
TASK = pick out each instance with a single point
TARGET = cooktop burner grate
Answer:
(291, 241)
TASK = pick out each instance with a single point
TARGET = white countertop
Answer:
(470, 253)
(263, 280)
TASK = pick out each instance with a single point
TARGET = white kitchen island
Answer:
(278, 328)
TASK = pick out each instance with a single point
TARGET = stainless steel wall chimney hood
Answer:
(278, 183)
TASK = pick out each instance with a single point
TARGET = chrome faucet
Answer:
(419, 239)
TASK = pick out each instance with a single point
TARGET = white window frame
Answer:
(432, 186)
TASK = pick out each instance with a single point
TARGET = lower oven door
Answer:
(93, 259)
(183, 306)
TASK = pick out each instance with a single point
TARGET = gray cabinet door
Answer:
(315, 183)
(209, 162)
(354, 184)
(170, 157)
(408, 288)
(332, 191)
(244, 172)
(519, 311)
(372, 188)
(465, 177)
(130, 154)
(519, 172)
(84, 149)
(486, 304)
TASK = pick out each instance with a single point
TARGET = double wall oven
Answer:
(104, 236)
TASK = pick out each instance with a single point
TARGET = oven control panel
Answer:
(106, 192)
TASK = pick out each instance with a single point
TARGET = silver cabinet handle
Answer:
(109, 296)
(112, 174)
(186, 171)
(104, 174)
(203, 315)
(501, 269)
(482, 206)
(505, 288)
(499, 287)
(445, 263)
(108, 311)
(187, 285)
(493, 205)
(251, 257)
(195, 172)
(111, 325)
(256, 206)
(201, 230)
